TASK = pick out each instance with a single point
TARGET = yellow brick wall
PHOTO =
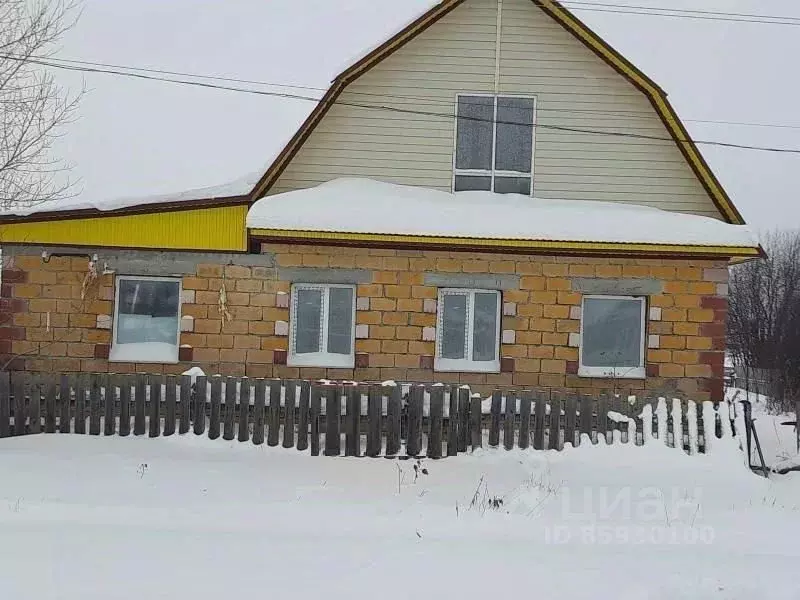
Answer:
(48, 325)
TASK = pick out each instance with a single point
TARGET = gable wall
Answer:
(574, 88)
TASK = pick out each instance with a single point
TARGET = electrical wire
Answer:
(394, 109)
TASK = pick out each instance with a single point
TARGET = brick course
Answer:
(47, 326)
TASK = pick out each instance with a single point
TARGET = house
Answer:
(494, 196)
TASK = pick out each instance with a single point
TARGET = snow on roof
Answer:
(354, 205)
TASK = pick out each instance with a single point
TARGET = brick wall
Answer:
(52, 321)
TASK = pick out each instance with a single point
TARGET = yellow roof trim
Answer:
(573, 25)
(220, 229)
(498, 244)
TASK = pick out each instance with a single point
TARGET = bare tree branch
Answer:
(33, 108)
(764, 321)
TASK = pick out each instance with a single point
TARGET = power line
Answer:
(703, 15)
(418, 99)
(394, 109)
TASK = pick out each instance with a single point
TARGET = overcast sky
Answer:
(140, 138)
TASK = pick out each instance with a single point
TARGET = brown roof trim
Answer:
(340, 83)
(656, 252)
(565, 18)
(658, 98)
(92, 213)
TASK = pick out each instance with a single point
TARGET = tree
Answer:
(33, 108)
(764, 321)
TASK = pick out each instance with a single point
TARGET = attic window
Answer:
(494, 144)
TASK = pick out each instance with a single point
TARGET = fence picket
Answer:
(316, 410)
(602, 418)
(140, 400)
(185, 408)
(302, 415)
(452, 422)
(200, 395)
(230, 409)
(587, 417)
(94, 405)
(80, 405)
(289, 412)
(463, 419)
(416, 401)
(274, 420)
(35, 407)
(435, 416)
(5, 405)
(570, 408)
(216, 408)
(124, 405)
(510, 416)
(110, 408)
(333, 416)
(18, 383)
(259, 408)
(540, 397)
(352, 446)
(65, 398)
(244, 410)
(170, 405)
(155, 406)
(49, 406)
(494, 423)
(393, 415)
(525, 420)
(555, 421)
(374, 414)
(475, 416)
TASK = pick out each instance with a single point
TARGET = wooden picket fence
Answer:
(395, 420)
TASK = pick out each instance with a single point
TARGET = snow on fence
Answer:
(386, 419)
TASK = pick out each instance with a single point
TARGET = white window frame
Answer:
(638, 372)
(321, 359)
(494, 173)
(116, 354)
(466, 365)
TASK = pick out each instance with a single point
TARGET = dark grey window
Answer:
(494, 144)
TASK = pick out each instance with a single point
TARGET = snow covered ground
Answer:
(183, 517)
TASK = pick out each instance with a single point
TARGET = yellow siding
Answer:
(574, 89)
(221, 228)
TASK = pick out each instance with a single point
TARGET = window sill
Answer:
(448, 365)
(612, 373)
(153, 353)
(322, 360)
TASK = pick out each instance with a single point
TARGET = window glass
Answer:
(484, 337)
(612, 333)
(454, 325)
(512, 185)
(469, 183)
(475, 132)
(340, 321)
(308, 320)
(147, 312)
(514, 135)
